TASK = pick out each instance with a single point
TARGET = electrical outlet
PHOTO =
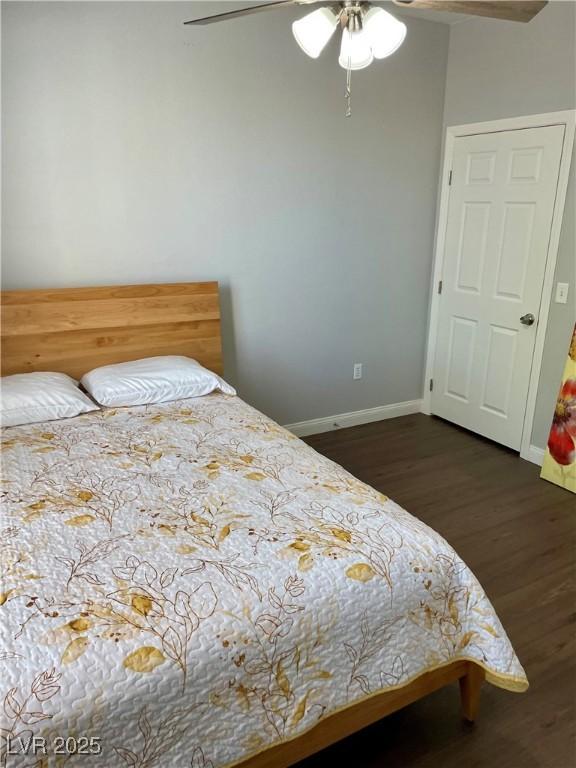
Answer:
(357, 371)
(561, 293)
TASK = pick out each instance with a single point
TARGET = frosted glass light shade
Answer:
(355, 50)
(313, 31)
(384, 32)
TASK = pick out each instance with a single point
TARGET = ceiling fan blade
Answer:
(509, 10)
(247, 11)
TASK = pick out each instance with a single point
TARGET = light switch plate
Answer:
(561, 293)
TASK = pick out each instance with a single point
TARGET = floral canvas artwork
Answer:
(559, 464)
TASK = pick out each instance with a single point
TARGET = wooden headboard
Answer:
(76, 329)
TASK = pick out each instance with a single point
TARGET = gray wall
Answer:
(137, 150)
(500, 69)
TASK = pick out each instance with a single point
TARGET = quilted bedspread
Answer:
(187, 584)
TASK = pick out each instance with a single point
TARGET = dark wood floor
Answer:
(517, 533)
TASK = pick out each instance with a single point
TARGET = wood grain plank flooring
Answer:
(518, 534)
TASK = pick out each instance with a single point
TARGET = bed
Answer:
(188, 584)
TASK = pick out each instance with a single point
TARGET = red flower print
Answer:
(561, 442)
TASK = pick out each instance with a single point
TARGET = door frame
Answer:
(566, 118)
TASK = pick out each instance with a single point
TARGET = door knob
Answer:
(527, 319)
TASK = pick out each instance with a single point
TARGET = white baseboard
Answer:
(352, 419)
(534, 454)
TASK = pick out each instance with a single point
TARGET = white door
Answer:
(499, 219)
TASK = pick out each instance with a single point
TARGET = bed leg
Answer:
(470, 686)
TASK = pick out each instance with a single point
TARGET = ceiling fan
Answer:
(370, 32)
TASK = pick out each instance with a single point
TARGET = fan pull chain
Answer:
(349, 91)
(349, 79)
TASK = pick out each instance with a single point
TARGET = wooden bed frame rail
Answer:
(347, 721)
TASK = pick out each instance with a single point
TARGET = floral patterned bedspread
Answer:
(186, 584)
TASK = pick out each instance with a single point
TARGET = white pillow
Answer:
(152, 380)
(42, 396)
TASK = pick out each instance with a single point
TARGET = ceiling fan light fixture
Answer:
(355, 51)
(313, 31)
(384, 32)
